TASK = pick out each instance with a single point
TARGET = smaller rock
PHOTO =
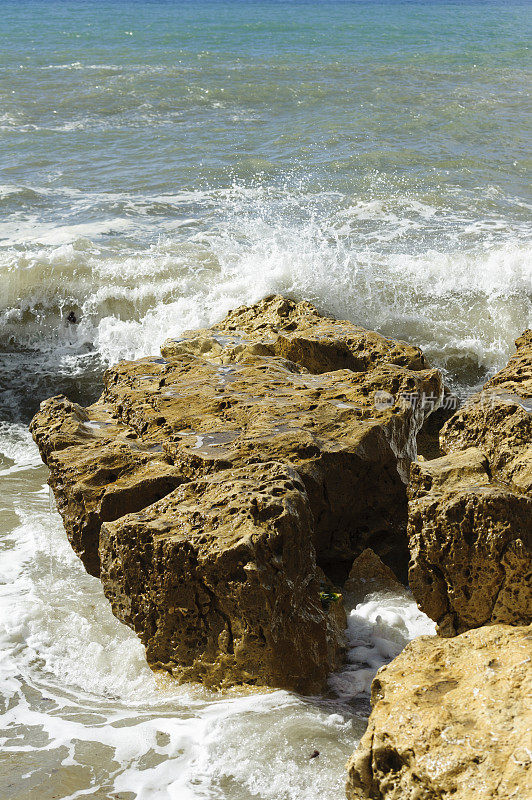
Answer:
(369, 574)
(470, 544)
(450, 721)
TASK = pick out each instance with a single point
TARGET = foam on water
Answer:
(378, 629)
(172, 161)
(77, 690)
(411, 269)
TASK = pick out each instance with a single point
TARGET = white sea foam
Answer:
(42, 233)
(466, 300)
(17, 450)
(378, 629)
(77, 684)
(75, 675)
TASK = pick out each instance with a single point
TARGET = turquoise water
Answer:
(161, 163)
(165, 96)
(165, 161)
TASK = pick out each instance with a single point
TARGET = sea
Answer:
(162, 162)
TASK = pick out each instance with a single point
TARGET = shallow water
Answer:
(162, 162)
(84, 716)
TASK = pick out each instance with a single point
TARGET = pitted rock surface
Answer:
(470, 511)
(276, 383)
(220, 581)
(450, 721)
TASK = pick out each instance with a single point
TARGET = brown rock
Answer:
(470, 544)
(228, 402)
(277, 326)
(498, 420)
(99, 470)
(450, 721)
(352, 457)
(219, 579)
(368, 574)
(470, 511)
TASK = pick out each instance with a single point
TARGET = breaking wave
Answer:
(141, 268)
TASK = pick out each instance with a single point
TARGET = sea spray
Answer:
(171, 161)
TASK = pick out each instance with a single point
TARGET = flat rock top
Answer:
(275, 377)
(224, 412)
(224, 510)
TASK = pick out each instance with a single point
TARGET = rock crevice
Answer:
(451, 716)
(209, 487)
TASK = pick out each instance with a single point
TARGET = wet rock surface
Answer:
(284, 404)
(276, 326)
(99, 470)
(351, 456)
(450, 719)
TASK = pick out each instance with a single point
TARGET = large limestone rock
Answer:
(470, 511)
(282, 403)
(450, 721)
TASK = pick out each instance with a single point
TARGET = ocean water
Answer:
(160, 163)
